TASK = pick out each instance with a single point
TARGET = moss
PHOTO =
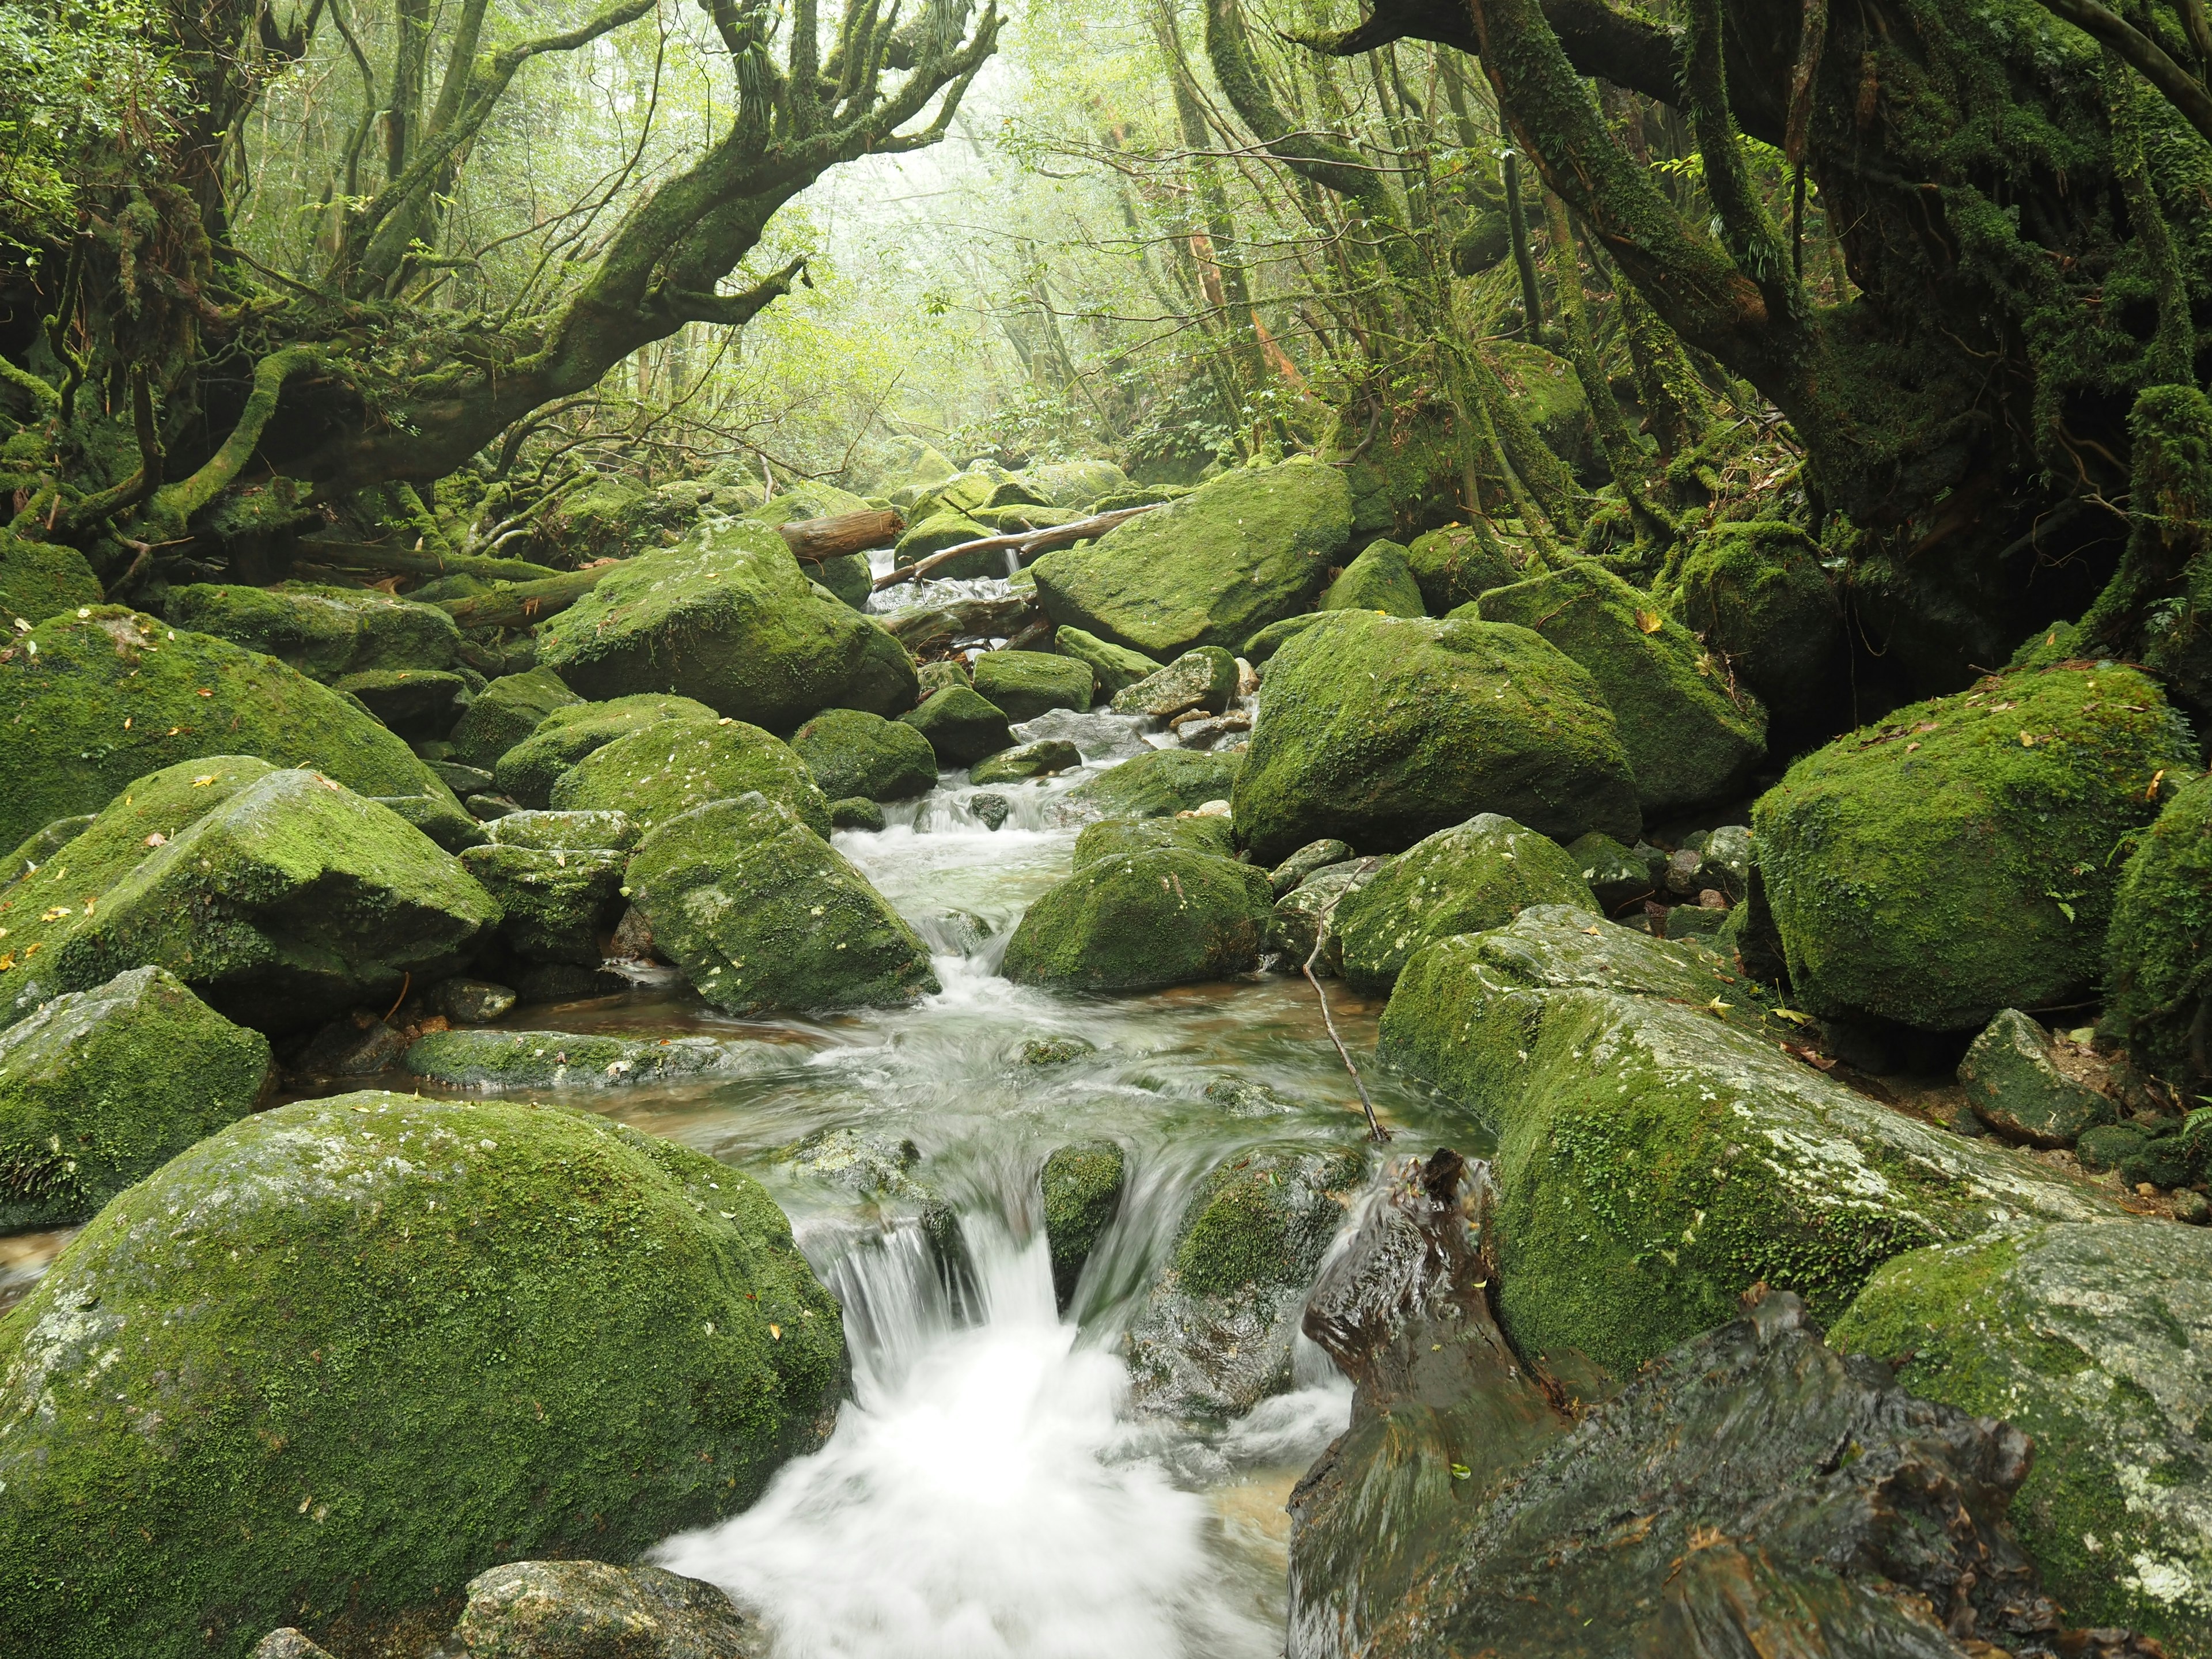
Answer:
(553, 904)
(39, 580)
(40, 845)
(1032, 761)
(1075, 483)
(1204, 678)
(526, 773)
(87, 704)
(1960, 857)
(323, 632)
(1689, 735)
(960, 725)
(806, 498)
(1247, 550)
(611, 518)
(415, 700)
(569, 1059)
(665, 768)
(943, 529)
(852, 752)
(1117, 837)
(1381, 730)
(1112, 667)
(1263, 645)
(1754, 590)
(505, 712)
(1140, 921)
(1158, 785)
(1459, 563)
(855, 812)
(849, 576)
(762, 914)
(564, 832)
(2157, 975)
(1379, 579)
(1264, 1219)
(1082, 1186)
(353, 1352)
(1028, 683)
(100, 1087)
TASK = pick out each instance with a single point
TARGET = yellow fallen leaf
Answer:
(2028, 739)
(1648, 621)
(776, 1331)
(201, 783)
(56, 914)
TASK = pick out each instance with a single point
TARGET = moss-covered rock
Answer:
(856, 812)
(416, 700)
(1379, 579)
(100, 1087)
(800, 499)
(324, 632)
(1381, 730)
(664, 769)
(1112, 667)
(847, 575)
(1458, 564)
(35, 848)
(1117, 837)
(932, 678)
(730, 619)
(505, 712)
(1956, 859)
(1082, 1188)
(88, 704)
(2158, 975)
(570, 1059)
(949, 527)
(1263, 645)
(1139, 921)
(1075, 483)
(613, 518)
(1617, 875)
(353, 1352)
(554, 905)
(2014, 1084)
(1028, 683)
(1754, 590)
(960, 725)
(1204, 678)
(2091, 1338)
(1466, 879)
(1158, 785)
(1303, 925)
(1313, 856)
(526, 773)
(39, 580)
(762, 913)
(1032, 761)
(852, 752)
(1690, 736)
(1235, 554)
(564, 832)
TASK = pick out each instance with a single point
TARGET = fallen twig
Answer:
(1025, 545)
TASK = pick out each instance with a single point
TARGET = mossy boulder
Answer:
(39, 580)
(1028, 683)
(1379, 579)
(505, 712)
(564, 832)
(852, 752)
(1466, 879)
(960, 725)
(1754, 590)
(1262, 646)
(35, 848)
(88, 703)
(1458, 564)
(1658, 1152)
(1118, 837)
(949, 527)
(856, 812)
(1314, 855)
(663, 770)
(353, 1352)
(1381, 730)
(932, 678)
(847, 575)
(612, 518)
(2158, 973)
(2014, 1085)
(762, 913)
(1205, 678)
(1233, 556)
(1031, 762)
(324, 632)
(730, 619)
(418, 701)
(100, 1088)
(1075, 483)
(1140, 921)
(570, 1060)
(801, 499)
(1158, 785)
(554, 904)
(2091, 1338)
(1956, 859)
(526, 773)
(1082, 1186)
(1112, 667)
(1689, 734)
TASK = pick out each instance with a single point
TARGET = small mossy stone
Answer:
(463, 781)
(852, 752)
(2156, 989)
(554, 905)
(801, 499)
(1112, 667)
(2016, 1089)
(2161, 1161)
(611, 518)
(847, 576)
(1302, 927)
(1457, 565)
(663, 770)
(40, 845)
(1313, 856)
(762, 914)
(1024, 685)
(934, 676)
(1121, 835)
(855, 812)
(1204, 678)
(960, 725)
(1056, 1051)
(2106, 1146)
(1616, 875)
(1141, 920)
(564, 832)
(450, 826)
(505, 712)
(526, 773)
(39, 580)
(1380, 730)
(1076, 483)
(991, 810)
(100, 1087)
(1379, 579)
(1030, 761)
(1754, 592)
(351, 1427)
(1158, 785)
(1082, 1186)
(570, 1060)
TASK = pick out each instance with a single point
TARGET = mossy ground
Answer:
(663, 770)
(1140, 921)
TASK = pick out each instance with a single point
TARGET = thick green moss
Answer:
(351, 1352)
(564, 832)
(1235, 554)
(1379, 579)
(1689, 735)
(1028, 683)
(806, 498)
(762, 913)
(1139, 921)
(100, 1087)
(88, 703)
(554, 904)
(1263, 645)
(2157, 973)
(960, 725)
(1381, 730)
(847, 575)
(1082, 1188)
(1458, 564)
(505, 712)
(39, 580)
(1116, 837)
(615, 518)
(1264, 1219)
(665, 768)
(413, 700)
(322, 631)
(1032, 762)
(852, 752)
(1205, 678)
(1959, 857)
(2091, 1338)
(1754, 592)
(1112, 667)
(567, 1059)
(526, 773)
(1158, 785)
(730, 619)
(1075, 483)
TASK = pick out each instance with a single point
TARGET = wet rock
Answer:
(1222, 733)
(1141, 920)
(1112, 667)
(633, 938)
(991, 810)
(1158, 785)
(852, 752)
(1617, 876)
(663, 771)
(855, 812)
(1307, 915)
(359, 1045)
(324, 632)
(1116, 837)
(566, 832)
(566, 981)
(1027, 684)
(2013, 1081)
(287, 1643)
(937, 530)
(1205, 678)
(2077, 1335)
(566, 1059)
(1214, 1337)
(1379, 579)
(961, 726)
(527, 772)
(1030, 760)
(863, 1162)
(1457, 565)
(762, 914)
(626, 1386)
(591, 1610)
(554, 904)
(505, 712)
(1473, 876)
(1240, 1098)
(471, 1001)
(1951, 861)
(1381, 730)
(1313, 856)
(1755, 593)
(1082, 1191)
(1241, 551)
(99, 1088)
(1056, 1051)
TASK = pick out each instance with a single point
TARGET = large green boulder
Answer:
(1075, 483)
(1458, 564)
(1659, 1152)
(1379, 579)
(960, 725)
(1112, 667)
(611, 518)
(1243, 551)
(2158, 951)
(39, 580)
(750, 901)
(1115, 836)
(1958, 858)
(1082, 1186)
(90, 702)
(1380, 730)
(1028, 683)
(1030, 763)
(1158, 785)
(728, 618)
(2091, 1338)
(100, 1088)
(1466, 879)
(505, 712)
(852, 752)
(325, 1366)
(526, 773)
(1689, 735)
(323, 631)
(663, 770)
(1205, 678)
(1754, 590)
(1140, 921)
(280, 896)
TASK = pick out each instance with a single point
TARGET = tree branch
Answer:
(175, 505)
(2182, 89)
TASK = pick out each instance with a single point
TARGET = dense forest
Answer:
(1204, 828)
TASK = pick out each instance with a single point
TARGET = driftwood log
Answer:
(1026, 544)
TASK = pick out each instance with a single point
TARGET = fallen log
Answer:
(1026, 545)
(940, 625)
(813, 540)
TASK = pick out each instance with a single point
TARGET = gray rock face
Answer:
(287, 1643)
(2014, 1084)
(1307, 915)
(590, 1610)
(1313, 856)
(566, 1059)
(1204, 678)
